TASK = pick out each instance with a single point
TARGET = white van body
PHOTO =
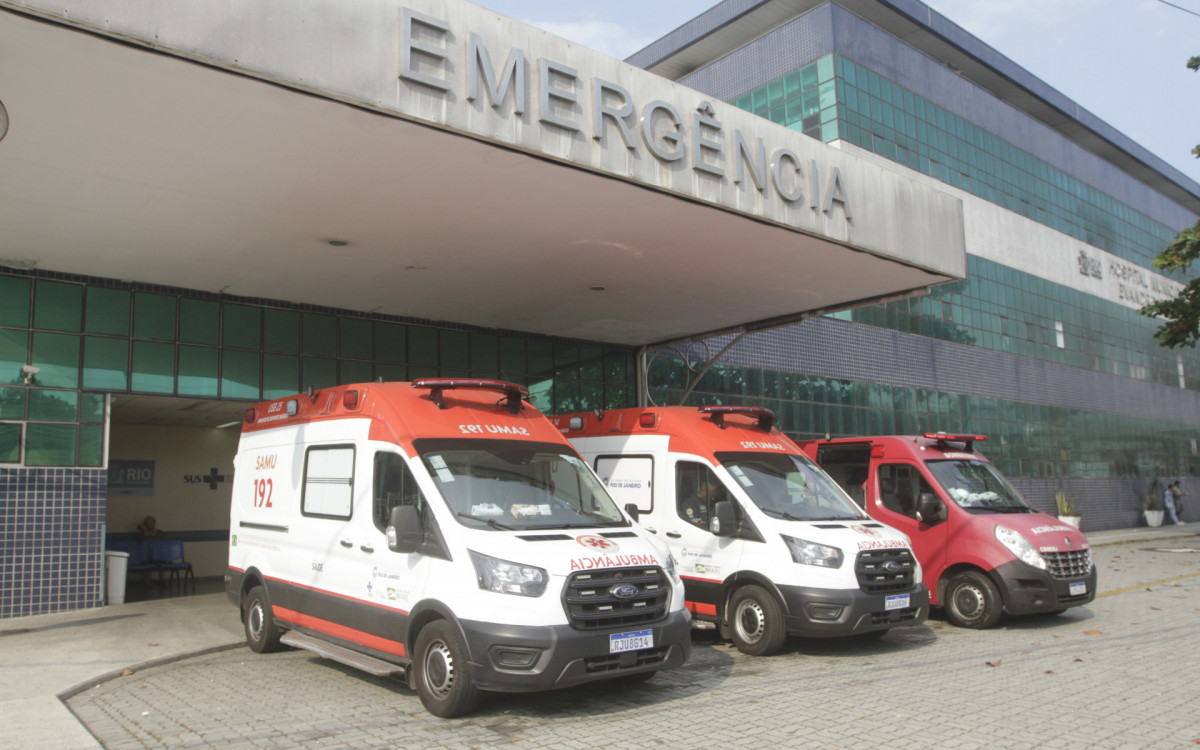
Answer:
(443, 531)
(796, 556)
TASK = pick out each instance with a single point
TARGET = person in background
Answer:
(1169, 504)
(148, 528)
(1178, 492)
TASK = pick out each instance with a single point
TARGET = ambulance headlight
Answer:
(811, 553)
(506, 577)
(1020, 547)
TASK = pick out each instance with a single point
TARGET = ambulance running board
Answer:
(343, 655)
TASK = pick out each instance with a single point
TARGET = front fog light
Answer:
(506, 577)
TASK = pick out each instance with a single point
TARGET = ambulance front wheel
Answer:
(756, 622)
(972, 601)
(443, 679)
(262, 634)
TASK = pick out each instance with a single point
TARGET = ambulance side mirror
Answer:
(724, 520)
(632, 511)
(404, 533)
(929, 508)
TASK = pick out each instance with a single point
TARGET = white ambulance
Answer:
(768, 545)
(445, 532)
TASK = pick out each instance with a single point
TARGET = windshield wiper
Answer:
(781, 514)
(489, 521)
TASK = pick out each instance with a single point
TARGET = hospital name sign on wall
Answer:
(448, 69)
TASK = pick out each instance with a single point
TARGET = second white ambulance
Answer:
(767, 543)
(445, 532)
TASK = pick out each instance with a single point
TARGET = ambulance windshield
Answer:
(517, 484)
(976, 485)
(789, 487)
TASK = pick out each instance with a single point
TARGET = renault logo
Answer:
(624, 591)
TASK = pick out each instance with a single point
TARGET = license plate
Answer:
(896, 601)
(637, 640)
(1078, 588)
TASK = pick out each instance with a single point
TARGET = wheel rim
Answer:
(256, 620)
(749, 621)
(969, 601)
(439, 669)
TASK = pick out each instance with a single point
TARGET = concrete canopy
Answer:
(149, 148)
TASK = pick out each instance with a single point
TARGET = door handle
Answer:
(347, 543)
(674, 534)
(652, 531)
(366, 548)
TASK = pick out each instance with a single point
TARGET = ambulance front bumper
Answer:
(1027, 590)
(827, 613)
(521, 658)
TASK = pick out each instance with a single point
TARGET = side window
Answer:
(697, 491)
(394, 485)
(900, 486)
(328, 481)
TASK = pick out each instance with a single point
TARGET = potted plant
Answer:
(1068, 508)
(1154, 505)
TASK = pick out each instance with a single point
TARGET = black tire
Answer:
(756, 621)
(262, 634)
(972, 601)
(442, 676)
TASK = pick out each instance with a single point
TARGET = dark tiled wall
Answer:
(51, 540)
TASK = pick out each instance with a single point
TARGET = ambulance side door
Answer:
(898, 488)
(685, 522)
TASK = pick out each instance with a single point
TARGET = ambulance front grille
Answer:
(592, 603)
(1072, 564)
(882, 571)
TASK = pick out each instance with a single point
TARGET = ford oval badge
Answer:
(892, 566)
(624, 591)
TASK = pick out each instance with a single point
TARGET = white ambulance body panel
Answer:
(513, 572)
(749, 579)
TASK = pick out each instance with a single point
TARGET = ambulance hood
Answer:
(1046, 533)
(851, 536)
(575, 550)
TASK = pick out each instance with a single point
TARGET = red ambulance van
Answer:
(984, 550)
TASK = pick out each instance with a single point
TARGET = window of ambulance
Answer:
(517, 485)
(977, 487)
(790, 487)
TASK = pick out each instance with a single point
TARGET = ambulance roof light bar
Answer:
(942, 438)
(513, 393)
(766, 417)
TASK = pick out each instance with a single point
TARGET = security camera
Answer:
(29, 371)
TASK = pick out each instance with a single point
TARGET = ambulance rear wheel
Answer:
(262, 634)
(443, 678)
(972, 601)
(756, 622)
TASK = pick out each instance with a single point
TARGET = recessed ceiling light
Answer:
(338, 243)
(597, 289)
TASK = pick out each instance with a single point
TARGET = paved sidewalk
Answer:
(46, 658)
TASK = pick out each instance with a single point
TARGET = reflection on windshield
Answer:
(789, 487)
(513, 484)
(977, 484)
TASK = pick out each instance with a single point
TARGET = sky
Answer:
(1125, 61)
